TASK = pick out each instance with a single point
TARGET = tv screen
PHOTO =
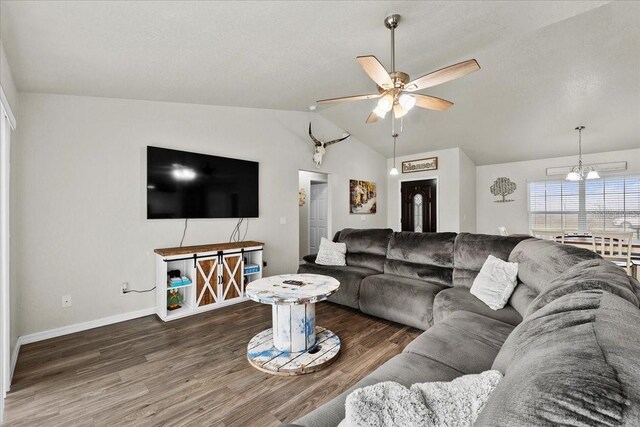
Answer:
(192, 185)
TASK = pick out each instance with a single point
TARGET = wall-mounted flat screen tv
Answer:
(192, 185)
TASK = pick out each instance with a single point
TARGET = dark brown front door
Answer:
(419, 205)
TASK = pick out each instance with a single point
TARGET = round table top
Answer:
(273, 290)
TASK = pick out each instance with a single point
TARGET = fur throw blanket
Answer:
(444, 404)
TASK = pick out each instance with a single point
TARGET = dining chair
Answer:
(556, 235)
(614, 246)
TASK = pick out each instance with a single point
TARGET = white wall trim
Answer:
(14, 359)
(78, 327)
(7, 108)
(70, 329)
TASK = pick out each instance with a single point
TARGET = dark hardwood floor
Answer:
(192, 371)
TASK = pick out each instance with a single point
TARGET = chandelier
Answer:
(580, 172)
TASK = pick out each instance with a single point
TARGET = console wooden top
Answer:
(206, 248)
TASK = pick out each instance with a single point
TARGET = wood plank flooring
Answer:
(192, 371)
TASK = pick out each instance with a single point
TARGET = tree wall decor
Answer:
(503, 186)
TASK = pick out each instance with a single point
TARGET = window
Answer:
(609, 203)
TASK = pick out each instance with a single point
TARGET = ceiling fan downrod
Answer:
(391, 22)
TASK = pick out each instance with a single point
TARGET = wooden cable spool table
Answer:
(294, 345)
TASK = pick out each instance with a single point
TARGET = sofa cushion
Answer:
(367, 247)
(472, 250)
(574, 361)
(521, 297)
(587, 275)
(425, 256)
(406, 369)
(465, 341)
(400, 299)
(349, 278)
(457, 299)
(541, 261)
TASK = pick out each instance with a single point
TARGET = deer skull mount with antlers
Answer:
(321, 147)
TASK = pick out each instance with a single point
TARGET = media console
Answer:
(218, 273)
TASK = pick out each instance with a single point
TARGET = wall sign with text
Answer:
(420, 165)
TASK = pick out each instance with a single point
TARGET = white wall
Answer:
(78, 172)
(467, 194)
(448, 175)
(6, 81)
(513, 215)
(304, 181)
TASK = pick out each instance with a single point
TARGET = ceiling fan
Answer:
(396, 91)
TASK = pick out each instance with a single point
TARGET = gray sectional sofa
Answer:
(568, 341)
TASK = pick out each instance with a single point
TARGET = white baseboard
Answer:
(78, 327)
(70, 329)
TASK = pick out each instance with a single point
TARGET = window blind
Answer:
(610, 203)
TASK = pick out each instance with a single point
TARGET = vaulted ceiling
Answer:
(546, 66)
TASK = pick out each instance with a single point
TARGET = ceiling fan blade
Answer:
(349, 98)
(375, 70)
(373, 117)
(431, 102)
(443, 75)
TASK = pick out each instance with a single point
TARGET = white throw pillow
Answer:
(331, 253)
(495, 282)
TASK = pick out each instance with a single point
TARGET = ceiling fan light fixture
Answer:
(386, 103)
(379, 112)
(399, 111)
(407, 101)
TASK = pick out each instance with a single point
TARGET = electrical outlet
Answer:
(124, 287)
(66, 301)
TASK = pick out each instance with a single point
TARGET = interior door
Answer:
(418, 206)
(318, 207)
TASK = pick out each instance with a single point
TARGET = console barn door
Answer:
(232, 270)
(207, 281)
(418, 206)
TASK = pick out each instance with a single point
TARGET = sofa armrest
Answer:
(310, 259)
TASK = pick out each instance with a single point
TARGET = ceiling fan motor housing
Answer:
(399, 79)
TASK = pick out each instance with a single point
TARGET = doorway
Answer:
(314, 204)
(318, 203)
(418, 208)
